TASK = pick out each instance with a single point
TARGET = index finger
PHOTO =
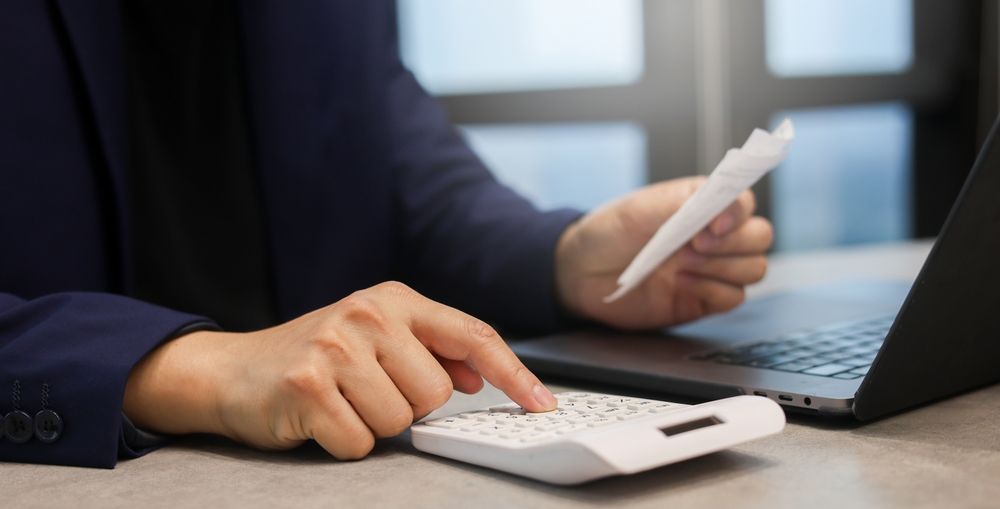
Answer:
(734, 215)
(455, 335)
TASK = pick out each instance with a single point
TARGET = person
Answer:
(248, 219)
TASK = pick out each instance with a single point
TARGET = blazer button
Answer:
(48, 426)
(17, 427)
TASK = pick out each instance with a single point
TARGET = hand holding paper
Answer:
(737, 171)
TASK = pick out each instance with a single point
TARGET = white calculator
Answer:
(591, 435)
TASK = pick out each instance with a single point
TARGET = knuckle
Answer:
(440, 393)
(359, 311)
(481, 332)
(395, 289)
(358, 446)
(338, 348)
(400, 420)
(304, 381)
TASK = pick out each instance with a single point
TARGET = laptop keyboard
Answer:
(843, 352)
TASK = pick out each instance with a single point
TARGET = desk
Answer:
(942, 455)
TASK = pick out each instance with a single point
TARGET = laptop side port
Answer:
(760, 393)
(783, 397)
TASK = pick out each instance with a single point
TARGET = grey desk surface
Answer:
(943, 455)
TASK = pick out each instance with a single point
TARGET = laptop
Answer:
(861, 348)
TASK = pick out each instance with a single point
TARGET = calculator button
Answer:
(516, 433)
(558, 416)
(476, 426)
(640, 405)
(610, 412)
(577, 396)
(602, 421)
(582, 418)
(631, 414)
(492, 416)
(662, 407)
(536, 436)
(600, 400)
(620, 402)
(494, 429)
(530, 422)
(473, 414)
(551, 425)
(509, 409)
(576, 428)
(588, 408)
(571, 405)
(511, 418)
(543, 415)
(448, 423)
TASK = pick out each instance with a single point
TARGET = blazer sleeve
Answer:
(467, 240)
(81, 347)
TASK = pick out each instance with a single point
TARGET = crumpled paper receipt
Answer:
(738, 170)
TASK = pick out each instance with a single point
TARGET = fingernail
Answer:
(544, 398)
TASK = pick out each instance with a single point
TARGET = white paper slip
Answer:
(738, 170)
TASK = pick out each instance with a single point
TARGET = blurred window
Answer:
(847, 179)
(837, 37)
(578, 165)
(479, 46)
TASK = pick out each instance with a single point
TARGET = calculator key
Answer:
(662, 407)
(543, 415)
(640, 405)
(620, 402)
(494, 429)
(511, 418)
(589, 408)
(449, 422)
(492, 416)
(628, 415)
(600, 400)
(610, 412)
(582, 418)
(558, 416)
(476, 426)
(530, 422)
(536, 436)
(571, 405)
(580, 396)
(504, 408)
(474, 414)
(602, 421)
(552, 425)
(515, 433)
(575, 428)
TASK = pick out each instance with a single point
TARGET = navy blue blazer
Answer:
(363, 181)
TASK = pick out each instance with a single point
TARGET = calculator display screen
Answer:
(684, 427)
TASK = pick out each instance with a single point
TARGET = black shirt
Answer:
(198, 234)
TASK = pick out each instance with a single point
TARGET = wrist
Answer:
(567, 274)
(175, 389)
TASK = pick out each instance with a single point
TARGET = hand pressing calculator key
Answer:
(589, 436)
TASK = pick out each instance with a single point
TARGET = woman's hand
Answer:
(363, 368)
(705, 276)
